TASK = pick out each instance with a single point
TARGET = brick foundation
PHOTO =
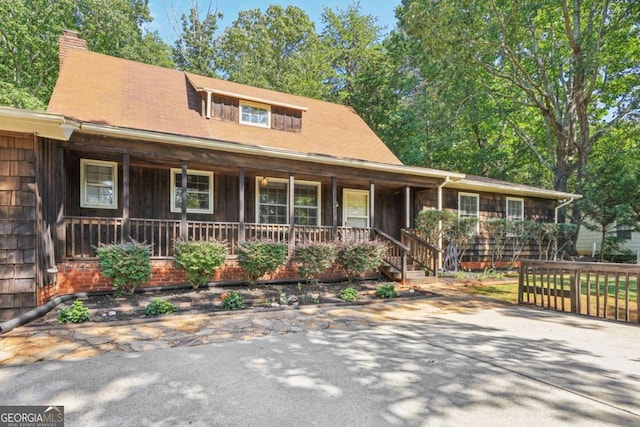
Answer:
(85, 276)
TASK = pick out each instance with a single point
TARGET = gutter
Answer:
(43, 124)
(235, 147)
(562, 205)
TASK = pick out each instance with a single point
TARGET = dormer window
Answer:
(254, 114)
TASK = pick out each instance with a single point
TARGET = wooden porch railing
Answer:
(396, 255)
(421, 252)
(83, 234)
(603, 290)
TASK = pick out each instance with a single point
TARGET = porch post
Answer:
(291, 212)
(241, 206)
(372, 204)
(183, 202)
(407, 206)
(126, 223)
(334, 205)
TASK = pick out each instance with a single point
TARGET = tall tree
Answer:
(194, 50)
(29, 40)
(351, 40)
(278, 49)
(571, 66)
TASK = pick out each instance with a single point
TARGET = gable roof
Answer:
(111, 91)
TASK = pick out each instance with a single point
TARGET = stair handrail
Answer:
(429, 262)
(394, 247)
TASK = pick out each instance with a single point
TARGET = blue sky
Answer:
(166, 13)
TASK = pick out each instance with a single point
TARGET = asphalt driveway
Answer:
(499, 366)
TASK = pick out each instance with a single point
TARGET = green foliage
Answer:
(233, 301)
(260, 257)
(428, 224)
(199, 259)
(194, 51)
(77, 313)
(490, 273)
(314, 258)
(127, 264)
(159, 306)
(349, 294)
(356, 258)
(386, 291)
(462, 232)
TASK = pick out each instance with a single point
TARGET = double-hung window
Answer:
(254, 114)
(273, 202)
(515, 209)
(199, 191)
(98, 184)
(468, 205)
(624, 232)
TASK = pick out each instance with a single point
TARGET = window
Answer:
(199, 191)
(468, 205)
(624, 232)
(273, 202)
(515, 209)
(98, 184)
(355, 208)
(255, 114)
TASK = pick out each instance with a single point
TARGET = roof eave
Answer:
(234, 147)
(48, 125)
(467, 184)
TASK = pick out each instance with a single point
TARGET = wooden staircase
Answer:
(410, 259)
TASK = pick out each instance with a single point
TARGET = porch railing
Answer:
(84, 234)
(421, 252)
(594, 289)
(396, 255)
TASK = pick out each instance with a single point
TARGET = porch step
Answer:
(393, 273)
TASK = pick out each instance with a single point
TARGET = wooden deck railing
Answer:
(603, 290)
(396, 254)
(84, 234)
(421, 252)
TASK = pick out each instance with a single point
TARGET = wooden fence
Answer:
(603, 290)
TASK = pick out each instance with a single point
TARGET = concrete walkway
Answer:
(29, 344)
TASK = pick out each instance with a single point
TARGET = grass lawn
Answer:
(507, 292)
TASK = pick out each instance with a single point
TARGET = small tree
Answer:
(428, 224)
(314, 258)
(356, 258)
(520, 234)
(462, 233)
(260, 257)
(199, 259)
(127, 264)
(498, 232)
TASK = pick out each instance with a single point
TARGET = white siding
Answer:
(586, 238)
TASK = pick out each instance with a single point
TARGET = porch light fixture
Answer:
(264, 181)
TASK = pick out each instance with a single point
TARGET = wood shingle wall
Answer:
(17, 225)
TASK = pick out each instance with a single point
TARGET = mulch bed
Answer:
(108, 308)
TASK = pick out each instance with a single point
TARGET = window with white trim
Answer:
(355, 208)
(199, 191)
(624, 232)
(468, 205)
(98, 184)
(272, 207)
(254, 114)
(515, 209)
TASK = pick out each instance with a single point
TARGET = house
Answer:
(589, 242)
(132, 150)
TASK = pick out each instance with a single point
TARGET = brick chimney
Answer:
(69, 40)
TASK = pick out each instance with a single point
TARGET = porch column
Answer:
(291, 213)
(126, 223)
(372, 218)
(183, 202)
(407, 206)
(241, 206)
(334, 205)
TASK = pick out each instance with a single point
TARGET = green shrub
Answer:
(433, 224)
(158, 306)
(259, 257)
(356, 258)
(127, 264)
(349, 294)
(386, 291)
(77, 313)
(314, 258)
(199, 259)
(233, 301)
